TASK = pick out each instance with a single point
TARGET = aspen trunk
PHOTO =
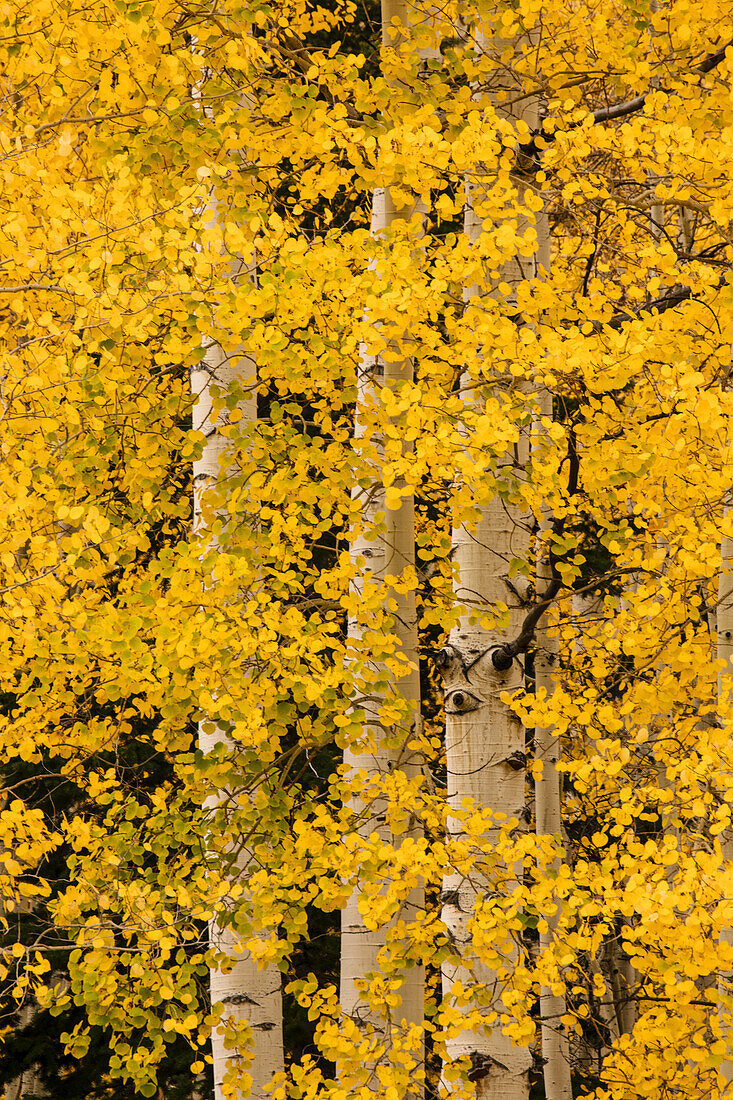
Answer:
(485, 742)
(485, 753)
(28, 1081)
(249, 994)
(548, 821)
(390, 553)
(725, 684)
(547, 750)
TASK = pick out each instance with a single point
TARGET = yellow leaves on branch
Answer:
(121, 628)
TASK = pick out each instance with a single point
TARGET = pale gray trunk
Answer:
(485, 742)
(28, 1081)
(390, 553)
(485, 762)
(247, 992)
(724, 620)
(548, 820)
(555, 1046)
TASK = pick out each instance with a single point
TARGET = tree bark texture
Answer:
(724, 620)
(390, 553)
(249, 993)
(485, 742)
(548, 819)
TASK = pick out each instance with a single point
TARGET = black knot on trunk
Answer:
(451, 897)
(446, 658)
(482, 1065)
(238, 999)
(442, 657)
(502, 658)
(517, 761)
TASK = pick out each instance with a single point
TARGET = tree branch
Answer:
(502, 657)
(673, 297)
(529, 153)
(619, 110)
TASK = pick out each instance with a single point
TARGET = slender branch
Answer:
(529, 153)
(669, 300)
(619, 110)
(713, 59)
(502, 657)
(36, 286)
(673, 297)
(596, 246)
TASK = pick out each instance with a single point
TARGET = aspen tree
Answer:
(391, 552)
(384, 551)
(27, 1083)
(485, 741)
(248, 993)
(724, 653)
(548, 807)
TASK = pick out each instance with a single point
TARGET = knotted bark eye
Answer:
(461, 701)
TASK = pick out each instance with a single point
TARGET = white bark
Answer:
(248, 993)
(28, 1081)
(725, 691)
(485, 761)
(547, 750)
(390, 553)
(485, 742)
(548, 821)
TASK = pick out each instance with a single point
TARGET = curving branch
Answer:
(528, 155)
(672, 298)
(503, 656)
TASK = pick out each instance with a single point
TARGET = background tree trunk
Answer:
(725, 653)
(389, 554)
(485, 742)
(548, 820)
(249, 993)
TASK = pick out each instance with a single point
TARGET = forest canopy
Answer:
(366, 549)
